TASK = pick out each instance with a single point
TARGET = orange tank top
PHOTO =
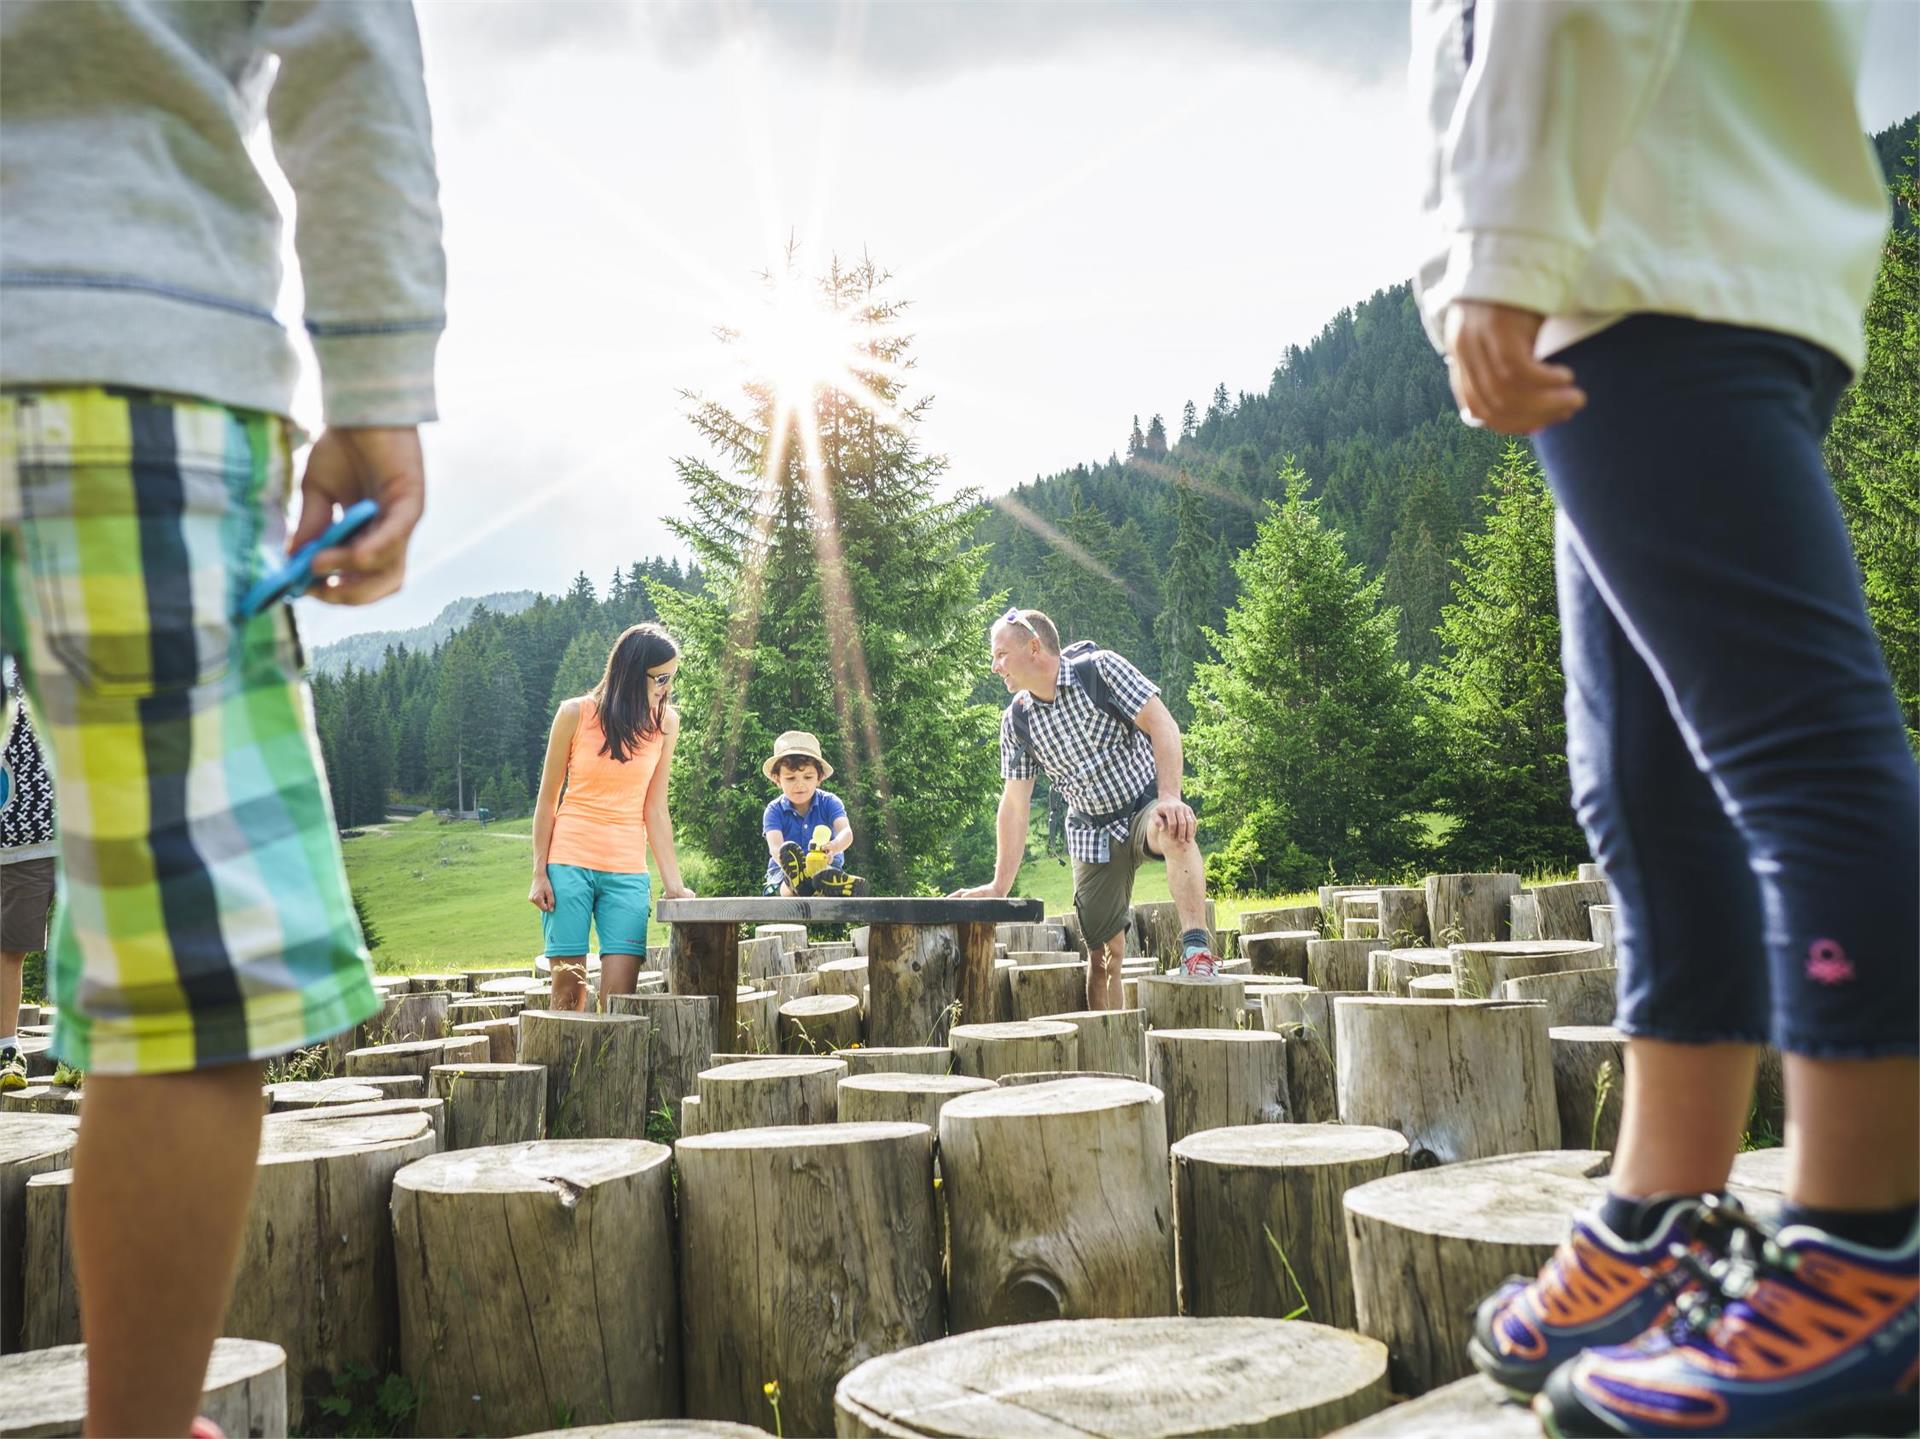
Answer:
(601, 822)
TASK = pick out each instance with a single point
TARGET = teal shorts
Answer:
(615, 904)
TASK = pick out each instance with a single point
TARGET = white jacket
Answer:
(1588, 159)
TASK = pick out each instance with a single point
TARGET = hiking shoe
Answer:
(793, 864)
(1595, 1289)
(838, 883)
(1199, 965)
(1794, 1332)
(13, 1069)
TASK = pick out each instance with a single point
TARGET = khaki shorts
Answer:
(1103, 893)
(26, 903)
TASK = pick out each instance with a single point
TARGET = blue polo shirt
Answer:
(781, 815)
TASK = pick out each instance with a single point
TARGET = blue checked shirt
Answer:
(1097, 764)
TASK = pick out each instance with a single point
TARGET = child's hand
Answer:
(540, 896)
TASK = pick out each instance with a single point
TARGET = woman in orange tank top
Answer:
(603, 802)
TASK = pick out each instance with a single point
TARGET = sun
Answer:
(798, 346)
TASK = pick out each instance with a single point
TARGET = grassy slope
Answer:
(454, 896)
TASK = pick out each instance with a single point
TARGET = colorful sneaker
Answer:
(1791, 1333)
(838, 883)
(1199, 965)
(13, 1069)
(1596, 1289)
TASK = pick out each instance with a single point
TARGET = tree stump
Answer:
(535, 1280)
(1131, 1378)
(658, 1429)
(423, 982)
(1432, 986)
(1469, 908)
(844, 976)
(1475, 1406)
(757, 1026)
(914, 974)
(1462, 1079)
(1282, 951)
(318, 1094)
(1600, 919)
(680, 1042)
(316, 1270)
(1339, 964)
(1173, 1001)
(1572, 996)
(1058, 1199)
(57, 1099)
(521, 985)
(1428, 1246)
(1156, 929)
(502, 1037)
(44, 1391)
(1291, 917)
(1480, 969)
(791, 936)
(820, 1024)
(403, 1019)
(483, 1007)
(596, 1072)
(1001, 1005)
(1110, 1040)
(1361, 927)
(911, 1059)
(491, 1103)
(1258, 1218)
(1216, 1078)
(704, 958)
(987, 1051)
(395, 1086)
(476, 977)
(1311, 1095)
(770, 1093)
(977, 994)
(902, 1098)
(434, 1111)
(1403, 915)
(1523, 917)
(799, 985)
(804, 1252)
(1390, 971)
(30, 1144)
(1563, 908)
(820, 951)
(764, 958)
(1069, 927)
(415, 1059)
(1312, 1009)
(1042, 989)
(1020, 936)
(1589, 1083)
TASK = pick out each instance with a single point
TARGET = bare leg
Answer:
(1103, 974)
(1851, 1127)
(1682, 1114)
(163, 1174)
(569, 993)
(12, 962)
(619, 974)
(1186, 877)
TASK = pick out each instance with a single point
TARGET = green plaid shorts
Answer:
(204, 916)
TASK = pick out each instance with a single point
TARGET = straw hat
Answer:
(798, 744)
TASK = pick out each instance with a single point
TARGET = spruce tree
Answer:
(1189, 421)
(1304, 740)
(1874, 456)
(1136, 442)
(1156, 442)
(1497, 694)
(1192, 582)
(845, 602)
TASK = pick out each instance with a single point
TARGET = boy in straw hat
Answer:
(807, 830)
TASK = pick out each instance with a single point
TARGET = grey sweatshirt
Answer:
(139, 245)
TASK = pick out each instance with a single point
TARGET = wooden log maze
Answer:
(535, 1280)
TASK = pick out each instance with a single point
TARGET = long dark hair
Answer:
(627, 716)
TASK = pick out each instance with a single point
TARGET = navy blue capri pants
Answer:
(1738, 759)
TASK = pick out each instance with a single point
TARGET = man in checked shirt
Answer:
(1110, 748)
